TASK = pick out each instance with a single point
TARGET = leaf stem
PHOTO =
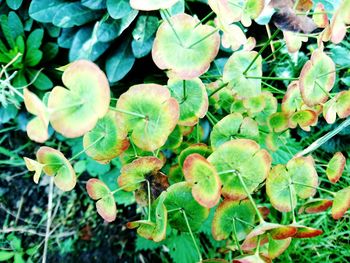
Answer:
(316, 187)
(261, 51)
(87, 148)
(167, 15)
(205, 18)
(204, 38)
(270, 78)
(234, 232)
(316, 144)
(128, 112)
(218, 89)
(192, 236)
(291, 202)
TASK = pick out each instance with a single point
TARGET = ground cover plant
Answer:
(175, 131)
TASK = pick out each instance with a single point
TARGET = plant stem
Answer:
(316, 144)
(272, 87)
(128, 112)
(218, 89)
(270, 78)
(192, 236)
(274, 53)
(333, 71)
(197, 132)
(172, 26)
(315, 187)
(205, 18)
(271, 43)
(291, 202)
(87, 148)
(261, 219)
(184, 91)
(48, 223)
(261, 51)
(9, 64)
(149, 200)
(212, 117)
(234, 232)
(174, 210)
(203, 38)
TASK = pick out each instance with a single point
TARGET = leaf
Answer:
(315, 206)
(44, 11)
(6, 255)
(105, 204)
(110, 29)
(58, 166)
(341, 203)
(192, 98)
(120, 62)
(73, 14)
(15, 24)
(77, 109)
(179, 196)
(108, 139)
(33, 57)
(35, 166)
(205, 182)
(143, 35)
(94, 4)
(229, 212)
(139, 170)
(285, 183)
(14, 4)
(158, 113)
(182, 249)
(35, 39)
(148, 5)
(190, 59)
(85, 45)
(335, 167)
(118, 8)
(317, 78)
(234, 73)
(37, 128)
(199, 148)
(240, 158)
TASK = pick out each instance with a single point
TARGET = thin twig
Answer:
(48, 224)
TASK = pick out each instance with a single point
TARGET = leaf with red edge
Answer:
(317, 78)
(244, 158)
(343, 104)
(131, 175)
(229, 212)
(341, 203)
(76, 109)
(315, 206)
(199, 148)
(202, 176)
(106, 206)
(37, 128)
(56, 164)
(306, 232)
(158, 112)
(320, 16)
(336, 167)
(195, 47)
(107, 140)
(251, 259)
(292, 100)
(278, 122)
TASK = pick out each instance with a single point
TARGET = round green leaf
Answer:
(303, 118)
(335, 167)
(96, 189)
(76, 109)
(341, 203)
(240, 157)
(192, 98)
(317, 78)
(286, 183)
(131, 175)
(343, 104)
(229, 212)
(278, 122)
(148, 5)
(58, 166)
(179, 196)
(292, 99)
(205, 182)
(192, 58)
(160, 111)
(107, 140)
(234, 73)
